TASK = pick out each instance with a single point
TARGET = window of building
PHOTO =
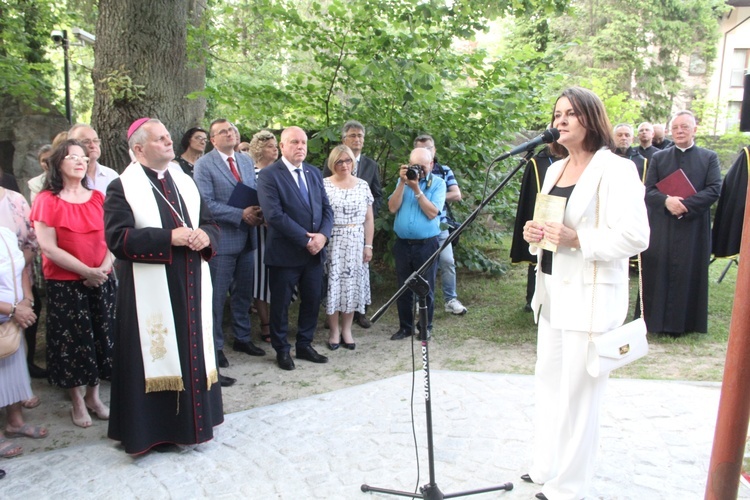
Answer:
(740, 64)
(733, 115)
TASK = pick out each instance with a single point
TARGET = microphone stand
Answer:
(421, 287)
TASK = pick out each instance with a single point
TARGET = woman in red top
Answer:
(69, 222)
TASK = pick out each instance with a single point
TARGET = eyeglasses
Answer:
(89, 142)
(348, 161)
(225, 131)
(77, 159)
(200, 138)
(355, 136)
(246, 150)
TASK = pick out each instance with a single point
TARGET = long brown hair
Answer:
(592, 116)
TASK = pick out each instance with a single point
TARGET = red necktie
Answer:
(235, 173)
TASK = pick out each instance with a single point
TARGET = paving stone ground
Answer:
(655, 444)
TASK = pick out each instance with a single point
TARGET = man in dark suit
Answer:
(300, 220)
(216, 174)
(353, 135)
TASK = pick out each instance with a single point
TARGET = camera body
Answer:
(413, 172)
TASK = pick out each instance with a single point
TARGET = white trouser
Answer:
(567, 413)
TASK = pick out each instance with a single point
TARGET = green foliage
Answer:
(634, 48)
(727, 146)
(401, 68)
(121, 89)
(25, 27)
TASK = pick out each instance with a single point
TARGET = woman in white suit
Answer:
(567, 397)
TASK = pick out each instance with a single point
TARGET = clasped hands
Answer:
(194, 239)
(252, 216)
(675, 206)
(316, 243)
(554, 232)
(24, 315)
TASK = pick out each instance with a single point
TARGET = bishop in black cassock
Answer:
(675, 266)
(531, 184)
(146, 412)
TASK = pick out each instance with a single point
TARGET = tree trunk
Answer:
(141, 69)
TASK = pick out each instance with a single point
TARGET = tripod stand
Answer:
(419, 286)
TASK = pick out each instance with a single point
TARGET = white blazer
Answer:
(623, 231)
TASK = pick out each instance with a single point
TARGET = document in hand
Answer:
(676, 184)
(549, 208)
(243, 196)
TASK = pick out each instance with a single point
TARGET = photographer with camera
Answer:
(416, 201)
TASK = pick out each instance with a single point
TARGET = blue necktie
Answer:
(302, 187)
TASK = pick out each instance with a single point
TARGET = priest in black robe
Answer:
(531, 184)
(675, 266)
(730, 212)
(164, 381)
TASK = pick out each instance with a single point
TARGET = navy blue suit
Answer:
(232, 267)
(290, 264)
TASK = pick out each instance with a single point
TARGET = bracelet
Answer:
(419, 195)
(31, 301)
(12, 310)
(368, 246)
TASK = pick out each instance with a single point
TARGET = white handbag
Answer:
(620, 346)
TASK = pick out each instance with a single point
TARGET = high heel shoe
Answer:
(527, 478)
(332, 347)
(541, 496)
(351, 346)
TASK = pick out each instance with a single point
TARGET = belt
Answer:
(417, 242)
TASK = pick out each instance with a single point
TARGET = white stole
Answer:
(161, 360)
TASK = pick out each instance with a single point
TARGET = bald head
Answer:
(645, 134)
(294, 145)
(423, 158)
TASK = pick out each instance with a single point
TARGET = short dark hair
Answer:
(185, 141)
(592, 116)
(211, 127)
(54, 180)
(424, 138)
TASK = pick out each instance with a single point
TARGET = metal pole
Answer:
(66, 45)
(734, 403)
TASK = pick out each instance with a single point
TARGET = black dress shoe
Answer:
(223, 361)
(527, 308)
(310, 354)
(541, 496)
(248, 348)
(362, 320)
(226, 381)
(351, 346)
(527, 478)
(285, 361)
(331, 346)
(401, 334)
(37, 371)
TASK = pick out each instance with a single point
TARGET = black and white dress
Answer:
(348, 274)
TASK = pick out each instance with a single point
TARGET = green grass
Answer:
(496, 316)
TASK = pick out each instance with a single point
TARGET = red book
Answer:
(676, 184)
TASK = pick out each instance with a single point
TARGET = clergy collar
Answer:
(685, 149)
(159, 173)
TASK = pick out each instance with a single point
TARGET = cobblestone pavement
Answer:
(655, 444)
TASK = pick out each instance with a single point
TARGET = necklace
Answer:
(181, 214)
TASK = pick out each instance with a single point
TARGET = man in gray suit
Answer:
(216, 174)
(353, 135)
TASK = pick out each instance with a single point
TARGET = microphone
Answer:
(549, 135)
